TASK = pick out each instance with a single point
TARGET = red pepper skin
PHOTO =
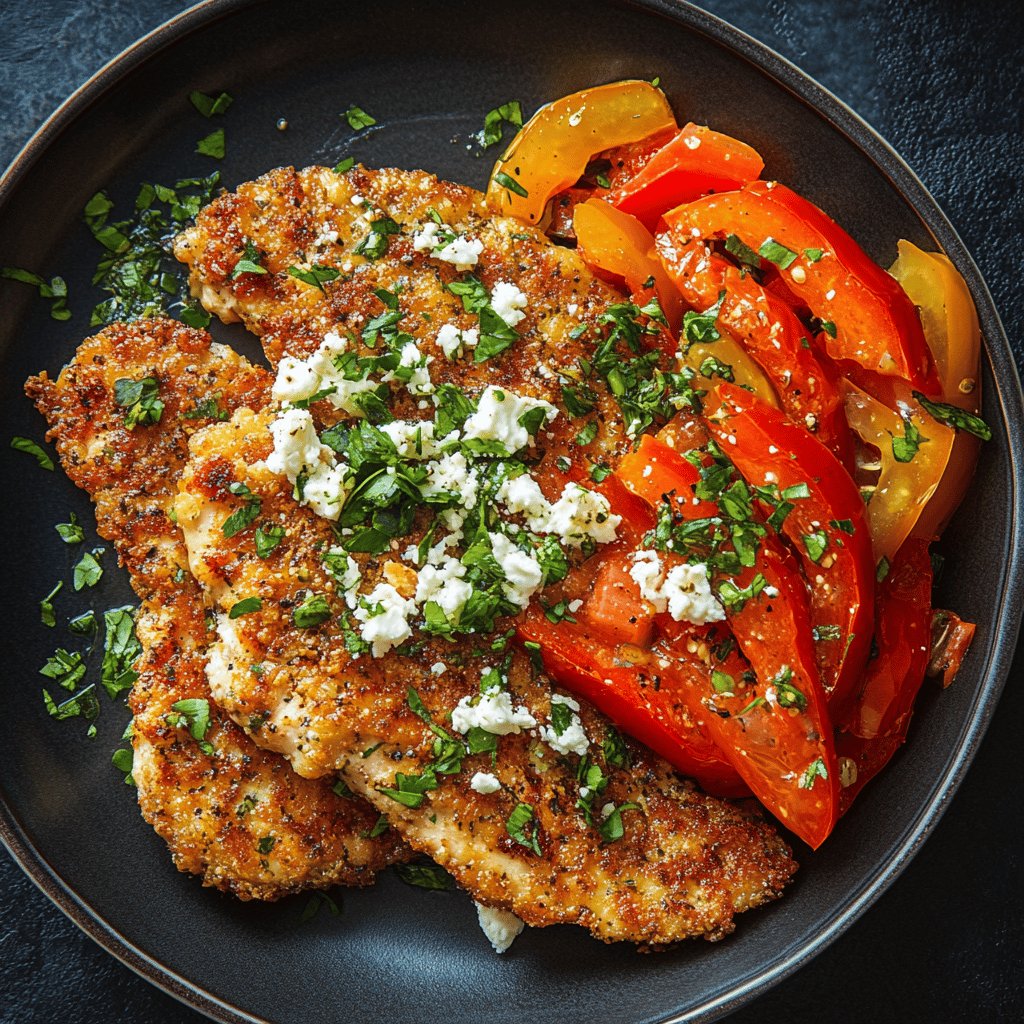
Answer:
(767, 448)
(695, 162)
(903, 623)
(806, 382)
(875, 324)
(636, 698)
(773, 747)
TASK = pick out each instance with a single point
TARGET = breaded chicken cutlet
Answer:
(230, 812)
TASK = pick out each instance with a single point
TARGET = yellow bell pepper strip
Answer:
(951, 327)
(620, 245)
(914, 450)
(553, 148)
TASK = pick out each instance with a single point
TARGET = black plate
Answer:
(428, 71)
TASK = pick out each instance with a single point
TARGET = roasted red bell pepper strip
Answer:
(825, 524)
(788, 758)
(806, 383)
(632, 696)
(866, 316)
(877, 725)
(695, 162)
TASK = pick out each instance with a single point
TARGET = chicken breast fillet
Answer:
(238, 816)
(351, 257)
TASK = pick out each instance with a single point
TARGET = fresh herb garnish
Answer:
(313, 610)
(506, 181)
(611, 828)
(121, 649)
(700, 328)
(267, 538)
(195, 714)
(358, 118)
(56, 289)
(523, 827)
(212, 144)
(27, 445)
(250, 262)
(317, 275)
(209, 106)
(424, 876)
(245, 516)
(952, 416)
(494, 120)
(775, 252)
(46, 611)
(71, 532)
(139, 397)
(88, 571)
(245, 607)
(905, 448)
(735, 245)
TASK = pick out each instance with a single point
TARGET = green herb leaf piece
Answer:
(425, 876)
(209, 106)
(139, 397)
(311, 612)
(245, 607)
(523, 828)
(508, 113)
(88, 571)
(775, 252)
(267, 538)
(27, 445)
(506, 181)
(317, 275)
(952, 416)
(71, 532)
(121, 649)
(358, 118)
(212, 145)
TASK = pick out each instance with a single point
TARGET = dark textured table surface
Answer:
(942, 81)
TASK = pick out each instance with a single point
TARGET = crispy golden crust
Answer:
(239, 817)
(687, 862)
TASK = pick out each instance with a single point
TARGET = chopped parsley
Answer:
(66, 668)
(735, 245)
(27, 445)
(139, 397)
(46, 611)
(210, 106)
(495, 120)
(71, 532)
(246, 515)
(313, 610)
(250, 262)
(523, 827)
(121, 649)
(267, 538)
(345, 165)
(815, 770)
(84, 704)
(358, 119)
(775, 252)
(88, 571)
(245, 607)
(56, 289)
(905, 448)
(611, 828)
(212, 144)
(701, 328)
(317, 275)
(952, 416)
(124, 760)
(506, 181)
(425, 876)
(194, 713)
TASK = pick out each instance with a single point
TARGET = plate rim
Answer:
(912, 190)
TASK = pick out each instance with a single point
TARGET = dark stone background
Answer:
(942, 80)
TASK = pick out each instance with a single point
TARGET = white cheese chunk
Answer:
(498, 414)
(384, 615)
(684, 591)
(485, 783)
(580, 514)
(508, 302)
(572, 739)
(523, 574)
(492, 712)
(500, 927)
(453, 341)
(296, 445)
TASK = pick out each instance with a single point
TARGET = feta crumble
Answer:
(523, 574)
(500, 927)
(485, 783)
(498, 414)
(493, 713)
(453, 342)
(572, 740)
(508, 302)
(384, 615)
(684, 592)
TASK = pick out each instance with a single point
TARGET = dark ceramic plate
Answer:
(428, 71)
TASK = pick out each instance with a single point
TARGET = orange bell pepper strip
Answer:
(554, 147)
(822, 515)
(621, 246)
(695, 162)
(865, 315)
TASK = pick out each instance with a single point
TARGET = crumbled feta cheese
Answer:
(684, 592)
(295, 381)
(522, 494)
(452, 341)
(572, 740)
(438, 668)
(461, 252)
(508, 302)
(411, 358)
(443, 584)
(498, 414)
(296, 445)
(580, 514)
(493, 713)
(384, 615)
(414, 439)
(484, 782)
(426, 238)
(523, 574)
(325, 491)
(350, 578)
(500, 927)
(452, 474)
